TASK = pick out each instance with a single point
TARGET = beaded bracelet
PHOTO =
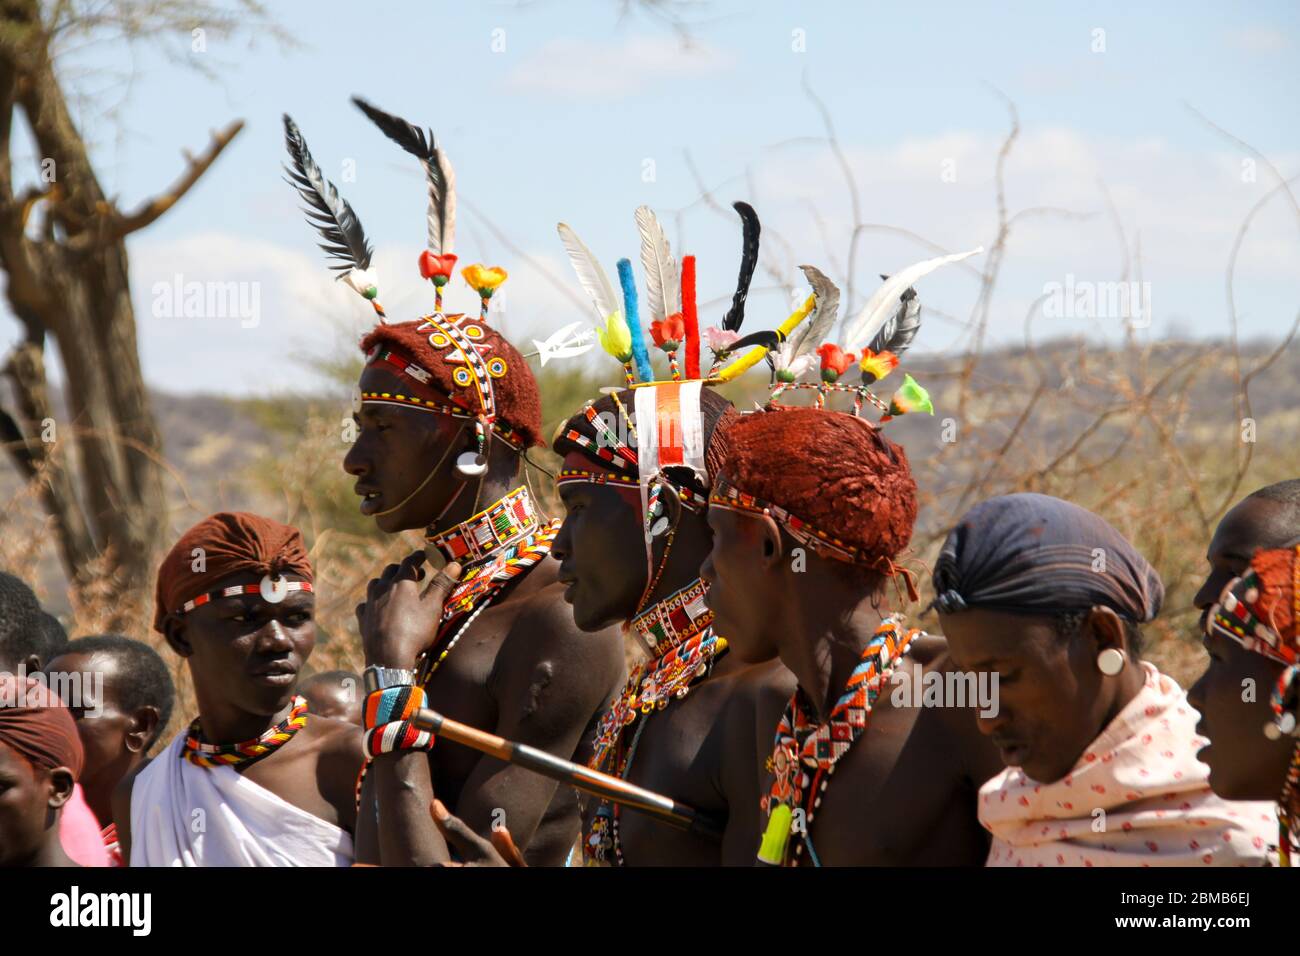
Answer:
(396, 735)
(392, 704)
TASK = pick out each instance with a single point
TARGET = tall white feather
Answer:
(591, 275)
(663, 279)
(815, 329)
(442, 203)
(884, 301)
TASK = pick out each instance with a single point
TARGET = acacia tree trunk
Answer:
(100, 468)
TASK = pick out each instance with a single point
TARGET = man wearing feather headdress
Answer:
(688, 721)
(809, 511)
(447, 410)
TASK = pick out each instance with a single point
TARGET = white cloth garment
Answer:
(186, 815)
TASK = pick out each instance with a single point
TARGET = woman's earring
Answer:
(1110, 661)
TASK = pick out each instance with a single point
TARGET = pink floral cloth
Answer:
(1142, 772)
(79, 831)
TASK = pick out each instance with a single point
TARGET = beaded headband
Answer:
(1234, 617)
(727, 496)
(1237, 616)
(271, 589)
(404, 366)
(568, 476)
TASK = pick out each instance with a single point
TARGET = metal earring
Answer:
(1110, 661)
(471, 464)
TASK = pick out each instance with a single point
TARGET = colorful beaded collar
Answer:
(500, 525)
(233, 755)
(674, 620)
(804, 753)
(478, 587)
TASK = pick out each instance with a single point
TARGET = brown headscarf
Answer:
(34, 722)
(233, 542)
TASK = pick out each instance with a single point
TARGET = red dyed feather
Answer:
(691, 318)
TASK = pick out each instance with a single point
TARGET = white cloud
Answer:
(250, 314)
(606, 71)
(1258, 40)
(1186, 207)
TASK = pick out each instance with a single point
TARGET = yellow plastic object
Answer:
(755, 355)
(777, 835)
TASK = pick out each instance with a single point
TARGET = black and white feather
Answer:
(437, 171)
(897, 333)
(797, 353)
(331, 215)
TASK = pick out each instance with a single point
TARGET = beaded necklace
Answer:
(1286, 819)
(675, 619)
(524, 543)
(804, 753)
(679, 632)
(501, 524)
(234, 755)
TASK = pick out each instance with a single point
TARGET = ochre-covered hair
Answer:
(519, 404)
(834, 471)
(229, 543)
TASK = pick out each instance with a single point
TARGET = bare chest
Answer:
(897, 798)
(679, 753)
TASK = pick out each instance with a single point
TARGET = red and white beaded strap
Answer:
(728, 496)
(271, 592)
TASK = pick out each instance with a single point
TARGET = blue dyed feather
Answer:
(644, 370)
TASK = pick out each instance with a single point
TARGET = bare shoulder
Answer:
(545, 656)
(955, 722)
(544, 624)
(930, 651)
(339, 757)
(340, 741)
(756, 696)
(768, 683)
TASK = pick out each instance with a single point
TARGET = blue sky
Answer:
(554, 109)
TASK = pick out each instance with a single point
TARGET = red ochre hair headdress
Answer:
(832, 480)
(452, 364)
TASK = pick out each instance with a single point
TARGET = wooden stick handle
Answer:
(599, 784)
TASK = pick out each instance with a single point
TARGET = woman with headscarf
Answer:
(40, 759)
(1099, 746)
(1252, 638)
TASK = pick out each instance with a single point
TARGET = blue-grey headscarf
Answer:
(1035, 554)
